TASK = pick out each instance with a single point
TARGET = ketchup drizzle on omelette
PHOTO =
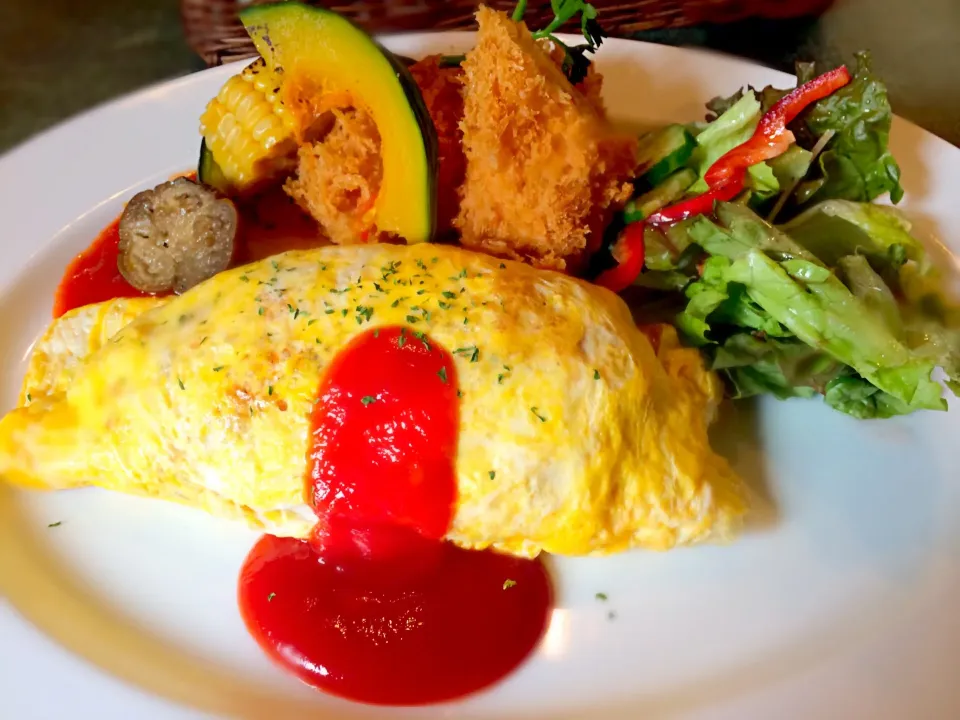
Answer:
(375, 607)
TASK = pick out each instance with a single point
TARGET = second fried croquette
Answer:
(545, 169)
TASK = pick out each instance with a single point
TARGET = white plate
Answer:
(841, 600)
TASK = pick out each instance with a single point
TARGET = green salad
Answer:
(800, 285)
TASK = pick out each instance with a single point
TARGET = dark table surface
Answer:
(58, 57)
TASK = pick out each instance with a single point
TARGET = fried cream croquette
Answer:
(545, 169)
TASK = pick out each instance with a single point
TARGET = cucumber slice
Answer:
(661, 153)
(665, 193)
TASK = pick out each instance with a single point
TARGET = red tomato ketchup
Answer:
(375, 606)
(93, 276)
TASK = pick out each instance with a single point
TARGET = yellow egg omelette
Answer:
(598, 439)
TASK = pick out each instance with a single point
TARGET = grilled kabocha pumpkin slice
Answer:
(321, 60)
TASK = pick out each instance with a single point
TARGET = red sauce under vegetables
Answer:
(92, 276)
(269, 224)
(375, 607)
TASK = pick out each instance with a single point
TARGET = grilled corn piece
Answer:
(248, 130)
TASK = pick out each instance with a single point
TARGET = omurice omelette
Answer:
(576, 435)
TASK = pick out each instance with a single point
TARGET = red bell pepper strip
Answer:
(725, 178)
(701, 204)
(772, 138)
(629, 253)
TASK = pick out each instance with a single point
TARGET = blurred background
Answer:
(58, 57)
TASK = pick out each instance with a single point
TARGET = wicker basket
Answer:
(213, 30)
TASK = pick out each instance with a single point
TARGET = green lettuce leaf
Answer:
(728, 305)
(867, 285)
(925, 318)
(791, 286)
(836, 228)
(752, 364)
(792, 166)
(719, 105)
(703, 298)
(732, 128)
(855, 396)
(856, 164)
(743, 231)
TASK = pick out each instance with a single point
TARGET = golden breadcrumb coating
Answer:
(544, 167)
(338, 177)
(591, 87)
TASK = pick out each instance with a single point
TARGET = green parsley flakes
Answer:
(218, 368)
(449, 295)
(596, 374)
(492, 474)
(442, 374)
(271, 596)
(422, 337)
(58, 523)
(536, 412)
(368, 400)
(507, 584)
(412, 319)
(602, 597)
(473, 351)
(180, 382)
